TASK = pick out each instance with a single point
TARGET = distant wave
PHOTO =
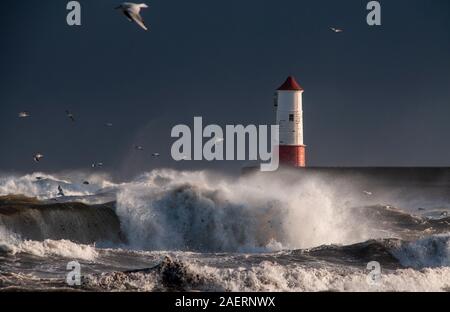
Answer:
(430, 252)
(45, 186)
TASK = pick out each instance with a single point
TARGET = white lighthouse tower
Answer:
(289, 117)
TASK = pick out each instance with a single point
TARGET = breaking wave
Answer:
(433, 251)
(13, 244)
(185, 275)
(50, 248)
(172, 210)
(253, 233)
(169, 210)
(31, 219)
(325, 268)
(201, 211)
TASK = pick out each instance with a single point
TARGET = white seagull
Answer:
(156, 154)
(37, 157)
(24, 114)
(97, 165)
(132, 10)
(336, 30)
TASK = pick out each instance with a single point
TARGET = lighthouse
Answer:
(289, 118)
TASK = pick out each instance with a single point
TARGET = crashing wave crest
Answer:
(170, 210)
(12, 245)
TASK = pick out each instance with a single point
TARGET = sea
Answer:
(171, 230)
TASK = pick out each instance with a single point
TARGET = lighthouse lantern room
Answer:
(289, 117)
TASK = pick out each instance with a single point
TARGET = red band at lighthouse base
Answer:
(292, 155)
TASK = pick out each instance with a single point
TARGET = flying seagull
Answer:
(70, 115)
(109, 124)
(156, 154)
(60, 191)
(132, 10)
(139, 147)
(24, 114)
(98, 164)
(38, 157)
(368, 193)
(336, 30)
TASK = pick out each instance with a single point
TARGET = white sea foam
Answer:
(271, 277)
(12, 244)
(48, 247)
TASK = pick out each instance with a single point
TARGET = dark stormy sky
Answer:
(375, 96)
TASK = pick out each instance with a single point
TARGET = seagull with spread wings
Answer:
(132, 12)
(336, 30)
(70, 115)
(24, 114)
(37, 157)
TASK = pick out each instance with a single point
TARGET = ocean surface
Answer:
(172, 230)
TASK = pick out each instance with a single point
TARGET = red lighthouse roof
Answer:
(290, 85)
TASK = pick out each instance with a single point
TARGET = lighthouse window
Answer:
(291, 117)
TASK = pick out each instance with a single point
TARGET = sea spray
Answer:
(171, 210)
